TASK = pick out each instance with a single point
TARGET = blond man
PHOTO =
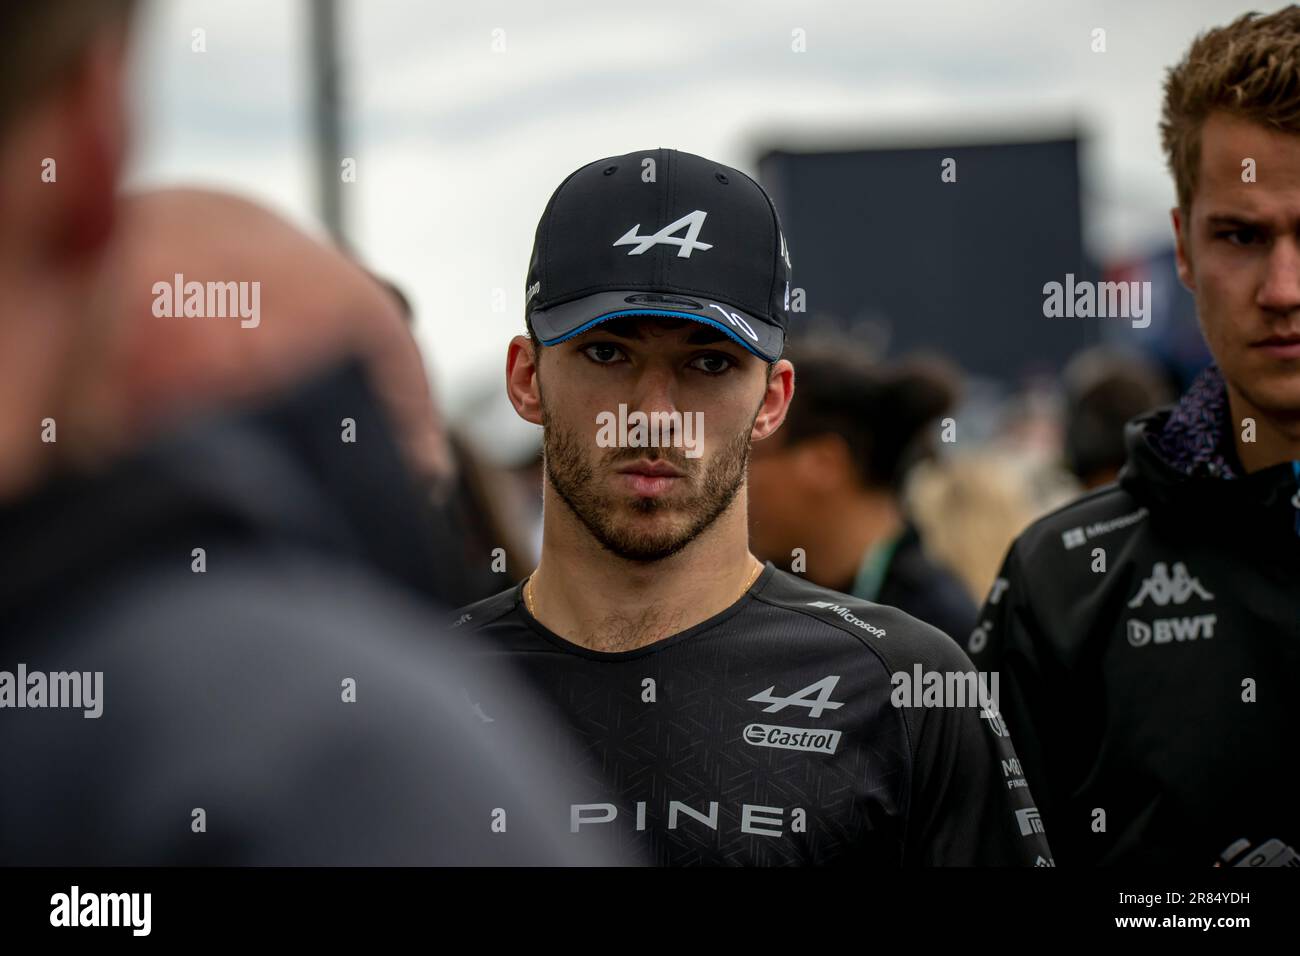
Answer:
(1147, 636)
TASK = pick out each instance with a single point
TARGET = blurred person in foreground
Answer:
(219, 647)
(741, 715)
(473, 501)
(830, 482)
(1146, 635)
(165, 367)
(316, 304)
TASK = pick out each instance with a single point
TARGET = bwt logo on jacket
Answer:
(1163, 589)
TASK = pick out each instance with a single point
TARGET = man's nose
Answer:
(1280, 291)
(656, 391)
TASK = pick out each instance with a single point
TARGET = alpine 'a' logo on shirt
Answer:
(802, 698)
(693, 220)
(1162, 589)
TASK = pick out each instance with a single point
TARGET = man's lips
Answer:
(649, 478)
(1280, 346)
(652, 469)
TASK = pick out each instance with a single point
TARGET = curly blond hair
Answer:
(1250, 68)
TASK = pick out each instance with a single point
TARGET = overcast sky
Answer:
(458, 147)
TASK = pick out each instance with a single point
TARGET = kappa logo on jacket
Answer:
(1162, 589)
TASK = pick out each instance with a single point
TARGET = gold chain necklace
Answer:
(528, 589)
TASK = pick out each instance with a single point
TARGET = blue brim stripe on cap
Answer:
(692, 316)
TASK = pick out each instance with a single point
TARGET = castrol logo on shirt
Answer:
(792, 738)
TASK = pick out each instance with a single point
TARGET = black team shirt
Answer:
(766, 735)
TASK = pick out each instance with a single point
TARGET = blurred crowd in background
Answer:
(937, 412)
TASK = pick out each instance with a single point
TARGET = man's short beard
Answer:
(573, 477)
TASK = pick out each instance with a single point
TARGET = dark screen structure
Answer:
(888, 252)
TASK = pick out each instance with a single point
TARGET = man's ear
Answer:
(61, 175)
(522, 385)
(776, 401)
(1185, 274)
(88, 144)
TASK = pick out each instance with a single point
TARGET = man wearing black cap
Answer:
(736, 713)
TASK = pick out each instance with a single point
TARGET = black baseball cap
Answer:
(660, 233)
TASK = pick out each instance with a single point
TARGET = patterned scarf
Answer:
(1195, 434)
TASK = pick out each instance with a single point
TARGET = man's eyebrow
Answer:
(706, 336)
(1235, 219)
(620, 329)
(625, 329)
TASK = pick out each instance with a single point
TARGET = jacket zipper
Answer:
(1295, 499)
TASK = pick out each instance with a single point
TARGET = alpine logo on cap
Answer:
(686, 245)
